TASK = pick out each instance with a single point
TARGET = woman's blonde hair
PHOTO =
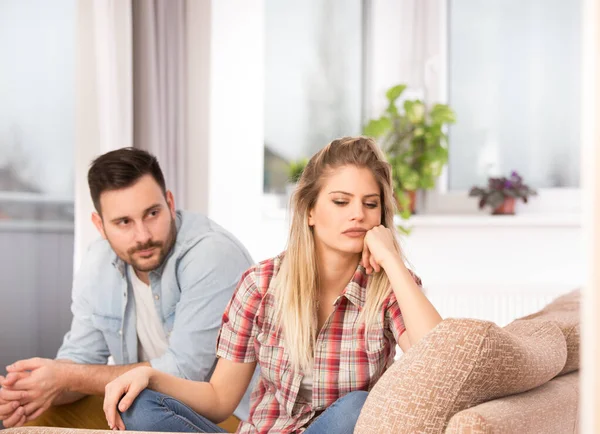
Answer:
(297, 279)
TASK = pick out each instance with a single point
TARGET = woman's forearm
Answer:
(418, 313)
(200, 396)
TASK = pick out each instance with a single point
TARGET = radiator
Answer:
(498, 306)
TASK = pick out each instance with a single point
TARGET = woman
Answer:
(321, 321)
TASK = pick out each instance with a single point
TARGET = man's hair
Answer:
(121, 169)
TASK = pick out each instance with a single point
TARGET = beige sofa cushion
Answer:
(565, 312)
(459, 364)
(49, 430)
(551, 408)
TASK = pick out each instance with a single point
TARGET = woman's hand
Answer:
(122, 391)
(379, 250)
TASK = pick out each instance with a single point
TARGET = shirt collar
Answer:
(356, 289)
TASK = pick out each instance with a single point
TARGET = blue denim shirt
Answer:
(191, 289)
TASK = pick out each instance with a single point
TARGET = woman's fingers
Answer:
(366, 259)
(119, 425)
(132, 393)
(112, 395)
(374, 265)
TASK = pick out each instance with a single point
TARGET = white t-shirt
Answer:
(152, 340)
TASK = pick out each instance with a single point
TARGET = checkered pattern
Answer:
(346, 357)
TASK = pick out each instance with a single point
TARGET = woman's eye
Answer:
(340, 202)
(371, 205)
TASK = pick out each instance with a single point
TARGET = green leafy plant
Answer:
(295, 169)
(498, 189)
(414, 142)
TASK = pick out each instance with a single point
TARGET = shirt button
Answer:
(120, 332)
(156, 297)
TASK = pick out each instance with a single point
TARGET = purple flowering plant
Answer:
(500, 188)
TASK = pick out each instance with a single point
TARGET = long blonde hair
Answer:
(297, 280)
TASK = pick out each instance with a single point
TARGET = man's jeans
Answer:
(153, 411)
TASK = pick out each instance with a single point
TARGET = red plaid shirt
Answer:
(346, 357)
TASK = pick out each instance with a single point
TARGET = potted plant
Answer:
(295, 169)
(501, 193)
(415, 144)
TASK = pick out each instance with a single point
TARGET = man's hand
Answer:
(11, 411)
(39, 389)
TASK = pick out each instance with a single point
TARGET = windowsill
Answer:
(36, 226)
(273, 210)
(485, 220)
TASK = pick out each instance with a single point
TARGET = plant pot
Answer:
(506, 208)
(412, 197)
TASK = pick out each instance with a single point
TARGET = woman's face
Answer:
(348, 205)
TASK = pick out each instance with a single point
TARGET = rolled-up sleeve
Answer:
(208, 274)
(238, 331)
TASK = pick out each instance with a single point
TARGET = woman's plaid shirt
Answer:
(346, 357)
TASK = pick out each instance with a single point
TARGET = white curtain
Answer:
(159, 65)
(103, 98)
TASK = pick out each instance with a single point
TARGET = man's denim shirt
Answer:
(191, 289)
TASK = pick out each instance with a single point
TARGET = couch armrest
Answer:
(459, 364)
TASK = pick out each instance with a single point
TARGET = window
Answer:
(514, 81)
(314, 80)
(37, 128)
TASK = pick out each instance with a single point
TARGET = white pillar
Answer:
(103, 115)
(226, 120)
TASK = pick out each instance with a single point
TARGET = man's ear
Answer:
(170, 202)
(97, 220)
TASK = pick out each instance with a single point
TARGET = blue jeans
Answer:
(153, 411)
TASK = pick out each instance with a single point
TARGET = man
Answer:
(151, 292)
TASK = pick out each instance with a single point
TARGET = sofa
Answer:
(472, 377)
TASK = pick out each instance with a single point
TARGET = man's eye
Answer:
(124, 222)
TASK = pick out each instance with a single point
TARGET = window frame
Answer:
(443, 200)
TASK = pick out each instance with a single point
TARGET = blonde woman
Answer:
(321, 320)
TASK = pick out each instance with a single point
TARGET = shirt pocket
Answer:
(276, 370)
(272, 357)
(112, 329)
(378, 353)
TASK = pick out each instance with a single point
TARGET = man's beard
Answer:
(164, 248)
